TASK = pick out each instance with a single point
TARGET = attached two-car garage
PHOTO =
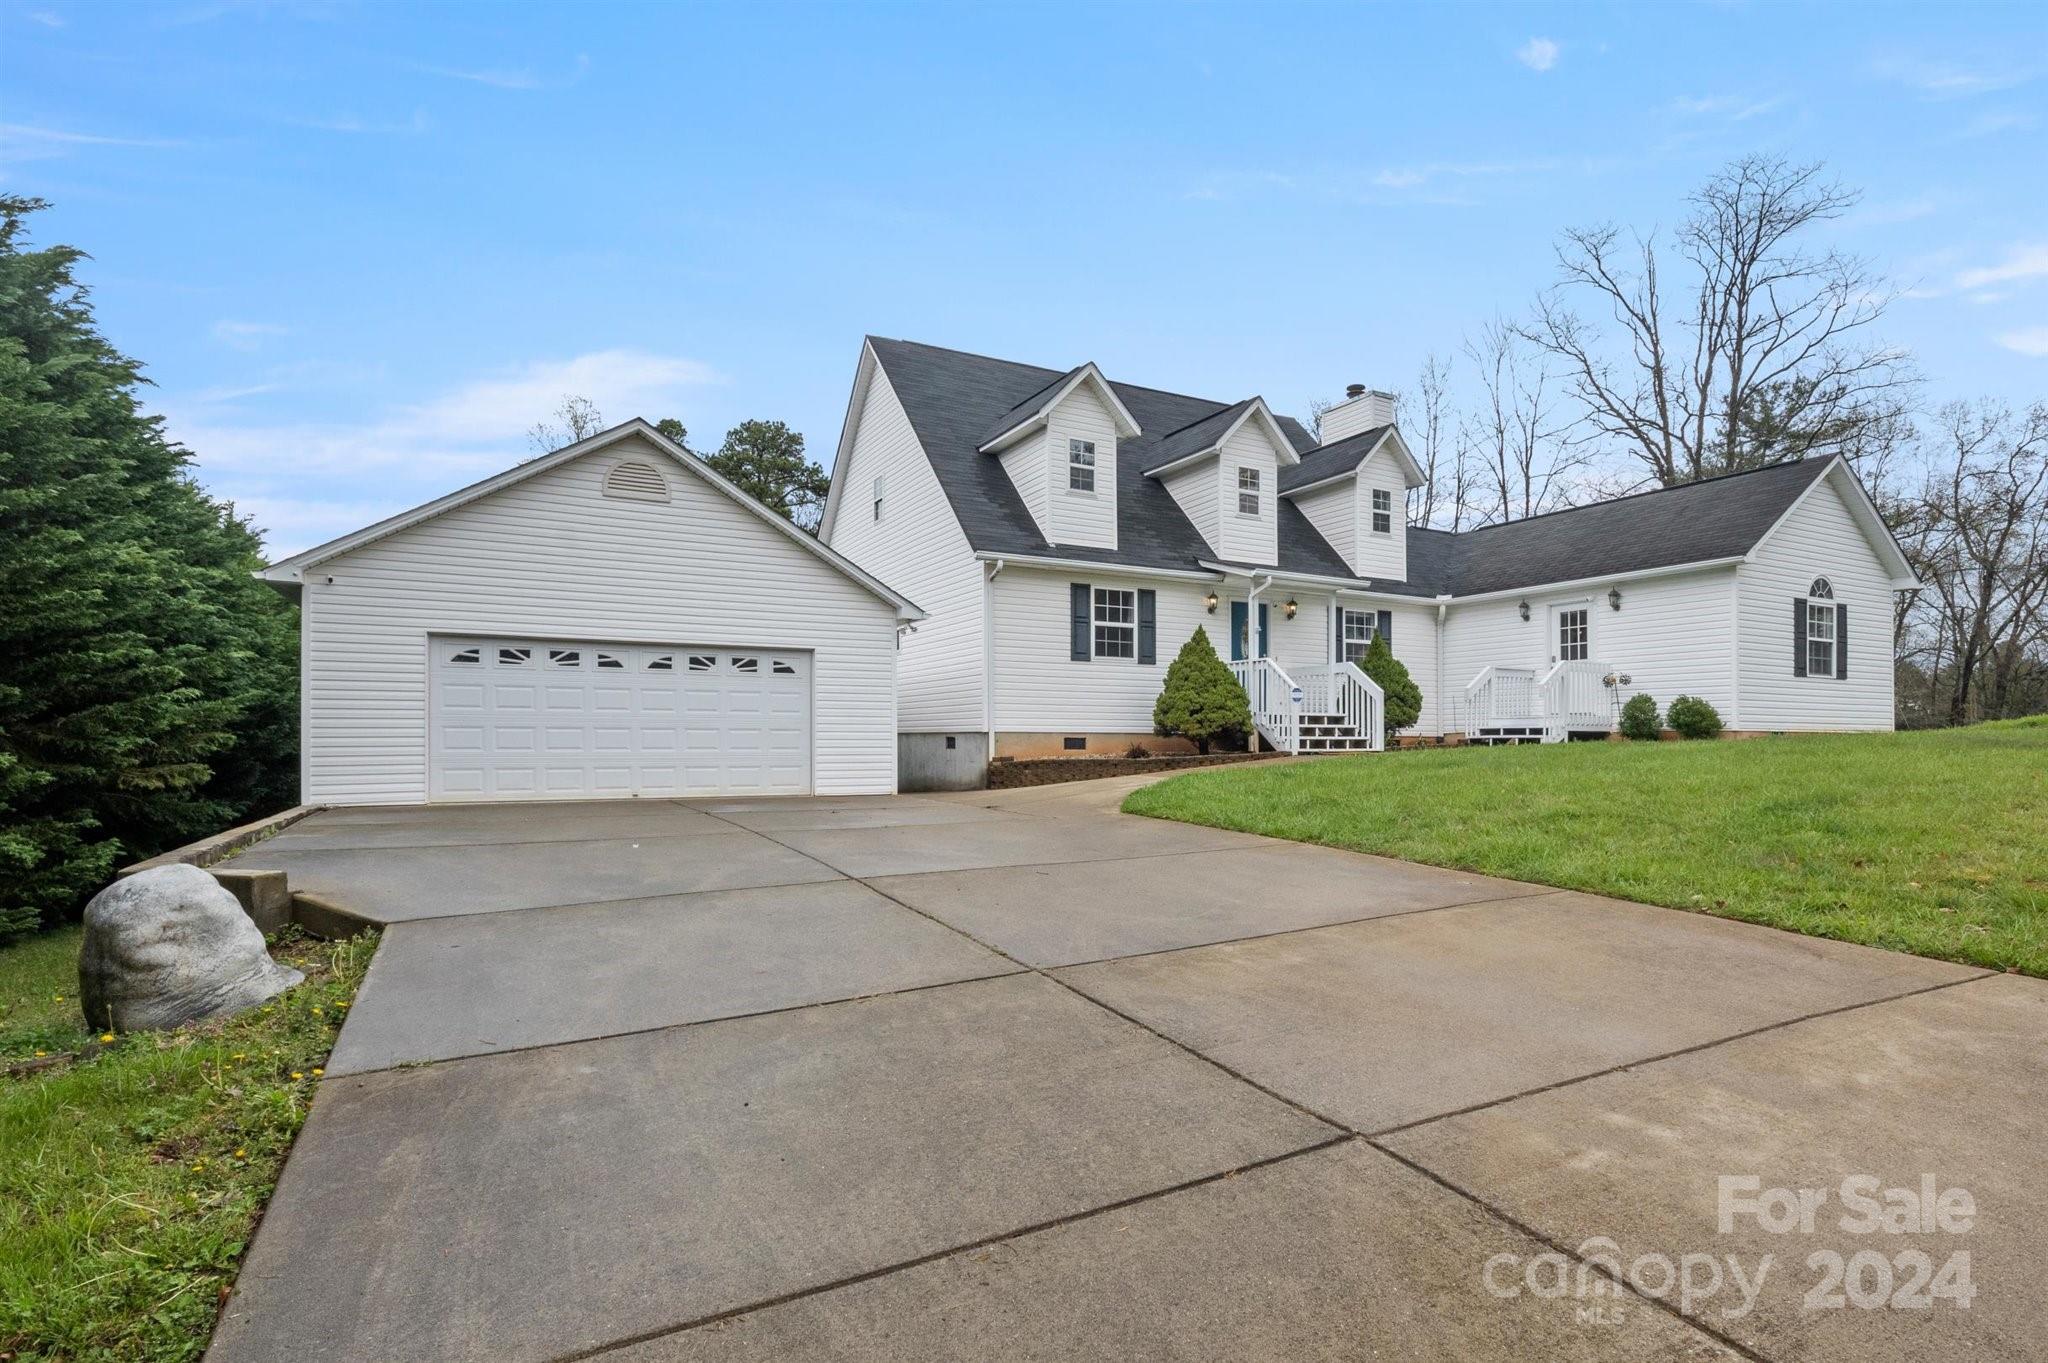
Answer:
(530, 719)
(612, 620)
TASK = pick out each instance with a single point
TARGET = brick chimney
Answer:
(1362, 409)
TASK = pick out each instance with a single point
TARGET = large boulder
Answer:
(167, 946)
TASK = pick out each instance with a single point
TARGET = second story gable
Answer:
(1059, 449)
(1224, 471)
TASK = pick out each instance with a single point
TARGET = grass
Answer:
(1934, 843)
(133, 1168)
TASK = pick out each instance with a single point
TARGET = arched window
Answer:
(1821, 590)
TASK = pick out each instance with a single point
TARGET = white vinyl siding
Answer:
(1026, 463)
(1820, 538)
(553, 559)
(1242, 538)
(1382, 555)
(920, 550)
(1039, 688)
(1333, 510)
(1672, 636)
(1084, 518)
(1194, 487)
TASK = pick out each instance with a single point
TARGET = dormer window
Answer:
(1081, 465)
(1382, 511)
(1247, 492)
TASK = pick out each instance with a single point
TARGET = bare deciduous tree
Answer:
(1512, 431)
(1431, 431)
(576, 419)
(1981, 546)
(1761, 355)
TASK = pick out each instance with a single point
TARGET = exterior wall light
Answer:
(1211, 603)
(1291, 607)
(1524, 610)
(1614, 598)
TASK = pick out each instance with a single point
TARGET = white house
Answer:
(611, 619)
(1067, 533)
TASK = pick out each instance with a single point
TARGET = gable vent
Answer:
(636, 482)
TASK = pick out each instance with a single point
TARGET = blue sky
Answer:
(361, 249)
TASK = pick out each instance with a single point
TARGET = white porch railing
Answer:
(1279, 699)
(1344, 690)
(1566, 697)
(1275, 712)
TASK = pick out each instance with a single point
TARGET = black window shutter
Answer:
(1386, 627)
(1337, 635)
(1148, 626)
(1841, 640)
(1798, 636)
(1083, 640)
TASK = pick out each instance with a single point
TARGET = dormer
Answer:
(1059, 448)
(1353, 488)
(1224, 471)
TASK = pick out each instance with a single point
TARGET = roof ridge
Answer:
(1025, 364)
(1650, 492)
(1241, 402)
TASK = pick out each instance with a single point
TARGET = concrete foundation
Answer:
(955, 761)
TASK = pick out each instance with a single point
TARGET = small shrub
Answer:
(1693, 717)
(1137, 750)
(1639, 719)
(1201, 701)
(1403, 696)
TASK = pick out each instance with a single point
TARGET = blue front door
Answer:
(1240, 634)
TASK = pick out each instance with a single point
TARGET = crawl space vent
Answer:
(636, 482)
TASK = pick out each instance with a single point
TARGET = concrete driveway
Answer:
(1015, 1076)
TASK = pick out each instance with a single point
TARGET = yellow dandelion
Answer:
(60, 998)
(297, 1075)
(241, 1154)
(316, 1007)
(317, 1071)
(106, 1036)
(41, 1054)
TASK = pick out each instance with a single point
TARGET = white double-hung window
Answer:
(1358, 631)
(1081, 465)
(1116, 623)
(1382, 511)
(1247, 492)
(1820, 638)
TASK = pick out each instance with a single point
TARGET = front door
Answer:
(1240, 631)
(1571, 633)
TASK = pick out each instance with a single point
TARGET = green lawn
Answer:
(133, 1168)
(1934, 842)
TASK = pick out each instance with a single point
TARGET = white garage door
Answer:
(528, 719)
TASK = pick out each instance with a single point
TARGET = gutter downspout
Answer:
(1443, 606)
(988, 656)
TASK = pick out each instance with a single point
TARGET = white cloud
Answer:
(45, 18)
(351, 123)
(2022, 262)
(2027, 341)
(246, 335)
(510, 78)
(1950, 80)
(28, 142)
(409, 454)
(1538, 54)
(1990, 125)
(1734, 108)
(234, 393)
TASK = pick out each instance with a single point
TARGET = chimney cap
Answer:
(1354, 390)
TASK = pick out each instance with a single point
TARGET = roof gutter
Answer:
(1086, 566)
(1634, 575)
(1350, 584)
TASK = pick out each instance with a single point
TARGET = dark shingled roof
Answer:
(1195, 437)
(1714, 519)
(1327, 461)
(957, 402)
(1030, 407)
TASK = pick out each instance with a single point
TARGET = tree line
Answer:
(1735, 343)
